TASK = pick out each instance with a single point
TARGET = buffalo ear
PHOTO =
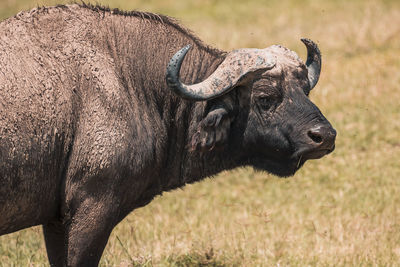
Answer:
(212, 131)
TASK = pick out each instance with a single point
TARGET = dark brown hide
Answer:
(89, 130)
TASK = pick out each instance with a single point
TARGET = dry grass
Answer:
(341, 210)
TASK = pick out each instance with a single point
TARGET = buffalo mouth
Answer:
(303, 155)
(288, 167)
(306, 154)
(279, 167)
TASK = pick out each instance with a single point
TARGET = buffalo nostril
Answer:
(315, 136)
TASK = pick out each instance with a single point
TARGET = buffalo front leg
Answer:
(54, 236)
(96, 180)
(88, 231)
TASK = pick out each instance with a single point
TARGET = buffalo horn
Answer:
(313, 62)
(238, 67)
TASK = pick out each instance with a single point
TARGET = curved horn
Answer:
(313, 62)
(236, 69)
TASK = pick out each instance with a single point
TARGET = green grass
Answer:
(341, 210)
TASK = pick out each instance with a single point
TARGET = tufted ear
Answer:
(212, 131)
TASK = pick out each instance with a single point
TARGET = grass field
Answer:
(338, 211)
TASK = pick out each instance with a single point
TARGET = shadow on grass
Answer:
(205, 259)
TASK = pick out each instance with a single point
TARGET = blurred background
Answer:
(341, 210)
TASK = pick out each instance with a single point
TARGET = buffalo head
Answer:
(280, 128)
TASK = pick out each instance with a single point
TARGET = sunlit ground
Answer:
(341, 210)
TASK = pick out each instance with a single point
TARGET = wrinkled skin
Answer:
(89, 130)
(281, 119)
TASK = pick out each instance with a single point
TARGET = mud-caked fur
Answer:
(89, 130)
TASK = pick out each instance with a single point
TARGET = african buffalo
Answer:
(101, 110)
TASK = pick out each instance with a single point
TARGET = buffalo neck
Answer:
(142, 60)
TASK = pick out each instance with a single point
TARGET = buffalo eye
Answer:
(267, 102)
